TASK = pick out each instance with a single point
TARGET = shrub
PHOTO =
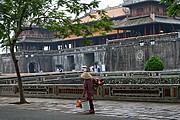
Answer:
(154, 64)
(72, 66)
(59, 66)
(87, 43)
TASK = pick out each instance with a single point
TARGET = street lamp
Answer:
(152, 42)
(141, 43)
(148, 44)
(26, 56)
(28, 61)
(32, 55)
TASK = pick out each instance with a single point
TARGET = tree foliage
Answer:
(59, 66)
(19, 15)
(173, 7)
(87, 43)
(154, 64)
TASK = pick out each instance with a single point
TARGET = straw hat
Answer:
(86, 75)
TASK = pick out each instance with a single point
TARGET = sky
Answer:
(104, 3)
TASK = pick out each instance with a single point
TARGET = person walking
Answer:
(88, 89)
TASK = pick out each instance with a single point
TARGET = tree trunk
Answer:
(21, 92)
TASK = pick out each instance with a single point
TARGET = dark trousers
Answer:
(91, 104)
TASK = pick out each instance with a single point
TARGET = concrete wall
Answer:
(82, 56)
(43, 62)
(122, 55)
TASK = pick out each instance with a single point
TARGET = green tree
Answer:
(59, 66)
(72, 66)
(87, 43)
(95, 63)
(173, 7)
(154, 64)
(19, 15)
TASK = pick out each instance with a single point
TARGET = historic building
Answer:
(141, 29)
(144, 17)
(145, 26)
(42, 39)
(147, 17)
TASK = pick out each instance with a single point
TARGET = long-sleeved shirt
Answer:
(88, 87)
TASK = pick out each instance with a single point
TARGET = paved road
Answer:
(61, 109)
(22, 114)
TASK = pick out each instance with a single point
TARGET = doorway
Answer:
(33, 67)
(89, 59)
(71, 64)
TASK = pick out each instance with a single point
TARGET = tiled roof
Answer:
(167, 20)
(145, 20)
(128, 3)
(34, 40)
(111, 12)
(95, 34)
(134, 22)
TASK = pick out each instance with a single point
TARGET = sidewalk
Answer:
(120, 109)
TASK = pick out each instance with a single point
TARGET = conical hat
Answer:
(86, 75)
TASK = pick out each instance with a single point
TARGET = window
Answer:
(59, 47)
(156, 10)
(31, 32)
(46, 48)
(70, 45)
(65, 46)
(139, 11)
